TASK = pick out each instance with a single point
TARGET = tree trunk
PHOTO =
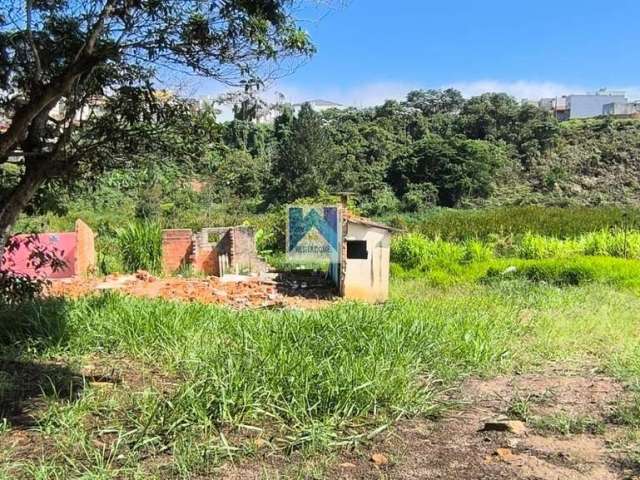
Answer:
(17, 199)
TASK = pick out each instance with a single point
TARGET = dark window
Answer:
(357, 249)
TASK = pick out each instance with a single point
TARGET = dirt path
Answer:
(457, 448)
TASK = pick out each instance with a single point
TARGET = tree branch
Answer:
(34, 48)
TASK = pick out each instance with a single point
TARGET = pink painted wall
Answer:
(65, 243)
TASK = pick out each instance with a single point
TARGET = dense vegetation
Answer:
(513, 167)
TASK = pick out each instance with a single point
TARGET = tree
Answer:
(432, 102)
(530, 130)
(304, 156)
(73, 53)
(454, 168)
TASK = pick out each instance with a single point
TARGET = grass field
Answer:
(116, 387)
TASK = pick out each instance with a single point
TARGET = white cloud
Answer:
(520, 89)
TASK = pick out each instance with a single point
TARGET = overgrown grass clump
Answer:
(140, 246)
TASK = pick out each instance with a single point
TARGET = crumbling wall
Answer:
(206, 251)
(213, 251)
(243, 256)
(176, 249)
(76, 249)
(85, 250)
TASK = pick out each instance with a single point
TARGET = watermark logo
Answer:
(313, 233)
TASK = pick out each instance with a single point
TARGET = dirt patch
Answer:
(240, 292)
(455, 447)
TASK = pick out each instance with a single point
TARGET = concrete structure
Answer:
(557, 105)
(621, 109)
(364, 263)
(212, 251)
(592, 105)
(76, 249)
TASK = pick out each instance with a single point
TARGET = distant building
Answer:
(589, 105)
(619, 109)
(592, 105)
(319, 105)
(557, 105)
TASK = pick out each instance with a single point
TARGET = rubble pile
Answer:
(234, 291)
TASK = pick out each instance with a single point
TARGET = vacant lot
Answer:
(116, 387)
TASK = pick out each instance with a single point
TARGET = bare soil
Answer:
(455, 447)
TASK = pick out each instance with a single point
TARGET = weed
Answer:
(520, 407)
(565, 424)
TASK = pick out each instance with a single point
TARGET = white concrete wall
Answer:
(368, 279)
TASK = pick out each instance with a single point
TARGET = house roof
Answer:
(370, 223)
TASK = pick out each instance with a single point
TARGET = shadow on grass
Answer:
(24, 384)
(35, 325)
(26, 329)
(309, 284)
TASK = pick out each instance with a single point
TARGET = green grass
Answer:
(565, 424)
(627, 412)
(140, 246)
(489, 223)
(300, 381)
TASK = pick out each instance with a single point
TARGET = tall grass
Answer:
(488, 223)
(140, 246)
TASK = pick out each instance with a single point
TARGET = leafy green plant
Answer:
(140, 246)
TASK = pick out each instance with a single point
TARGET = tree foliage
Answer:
(71, 53)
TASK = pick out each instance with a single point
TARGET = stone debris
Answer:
(236, 291)
(513, 426)
(379, 459)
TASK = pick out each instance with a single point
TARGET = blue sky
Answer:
(369, 50)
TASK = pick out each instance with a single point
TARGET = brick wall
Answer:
(213, 251)
(205, 260)
(85, 250)
(176, 249)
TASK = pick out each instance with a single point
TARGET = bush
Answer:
(614, 243)
(477, 251)
(140, 246)
(534, 246)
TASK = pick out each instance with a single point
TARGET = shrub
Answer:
(409, 250)
(614, 243)
(477, 251)
(415, 251)
(534, 246)
(140, 246)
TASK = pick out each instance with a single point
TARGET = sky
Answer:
(372, 50)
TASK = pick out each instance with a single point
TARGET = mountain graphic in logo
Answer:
(318, 226)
